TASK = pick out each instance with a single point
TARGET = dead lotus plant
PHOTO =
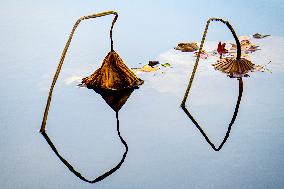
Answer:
(233, 67)
(113, 74)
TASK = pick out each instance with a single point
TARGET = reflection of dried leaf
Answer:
(259, 36)
(187, 47)
(115, 99)
(146, 68)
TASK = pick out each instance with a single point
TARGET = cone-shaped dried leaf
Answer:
(115, 99)
(113, 75)
(233, 66)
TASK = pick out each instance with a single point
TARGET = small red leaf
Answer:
(221, 48)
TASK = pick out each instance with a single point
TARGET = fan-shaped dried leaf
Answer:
(234, 67)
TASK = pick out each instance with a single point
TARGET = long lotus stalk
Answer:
(61, 61)
(228, 65)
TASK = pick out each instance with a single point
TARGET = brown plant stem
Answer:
(63, 54)
(200, 50)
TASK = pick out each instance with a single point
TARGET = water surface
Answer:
(166, 149)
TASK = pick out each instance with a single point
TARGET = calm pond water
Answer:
(165, 148)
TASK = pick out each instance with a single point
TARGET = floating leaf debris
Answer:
(259, 36)
(187, 47)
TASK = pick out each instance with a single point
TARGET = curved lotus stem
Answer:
(78, 174)
(200, 50)
(230, 124)
(233, 33)
(61, 61)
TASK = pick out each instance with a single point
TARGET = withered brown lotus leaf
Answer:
(112, 75)
(187, 47)
(233, 66)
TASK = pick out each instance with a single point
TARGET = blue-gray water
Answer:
(166, 150)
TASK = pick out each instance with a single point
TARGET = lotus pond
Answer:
(166, 146)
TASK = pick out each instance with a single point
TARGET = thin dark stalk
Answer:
(230, 124)
(78, 174)
(62, 58)
(200, 50)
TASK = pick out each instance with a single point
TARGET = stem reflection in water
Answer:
(230, 124)
(115, 99)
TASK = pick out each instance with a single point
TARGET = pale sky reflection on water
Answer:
(165, 148)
